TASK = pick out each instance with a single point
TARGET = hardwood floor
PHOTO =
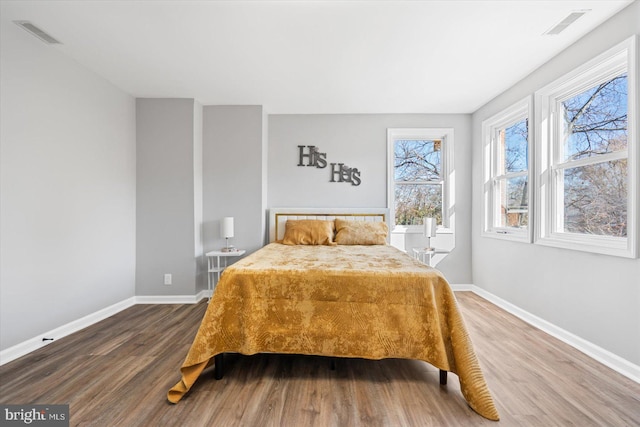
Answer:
(117, 373)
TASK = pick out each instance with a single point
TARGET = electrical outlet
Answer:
(167, 279)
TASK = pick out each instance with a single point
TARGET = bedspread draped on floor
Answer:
(372, 302)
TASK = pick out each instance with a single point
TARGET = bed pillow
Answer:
(361, 232)
(308, 232)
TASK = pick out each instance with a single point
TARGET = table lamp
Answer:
(429, 230)
(226, 230)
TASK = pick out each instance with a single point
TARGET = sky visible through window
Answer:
(595, 121)
(418, 180)
(516, 152)
(513, 190)
(595, 194)
(417, 160)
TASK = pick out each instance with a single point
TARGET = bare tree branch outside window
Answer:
(418, 181)
(595, 195)
(512, 186)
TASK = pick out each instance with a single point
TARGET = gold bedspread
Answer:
(372, 302)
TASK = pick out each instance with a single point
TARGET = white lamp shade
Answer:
(429, 227)
(226, 227)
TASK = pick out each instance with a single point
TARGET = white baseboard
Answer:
(35, 343)
(613, 361)
(204, 294)
(462, 288)
(171, 299)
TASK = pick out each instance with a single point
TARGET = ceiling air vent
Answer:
(562, 25)
(37, 32)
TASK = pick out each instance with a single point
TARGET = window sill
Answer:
(401, 229)
(510, 235)
(604, 245)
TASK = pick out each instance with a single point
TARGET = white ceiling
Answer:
(314, 56)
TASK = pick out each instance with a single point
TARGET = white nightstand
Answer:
(425, 255)
(215, 266)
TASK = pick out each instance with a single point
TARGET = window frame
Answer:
(522, 109)
(446, 135)
(615, 61)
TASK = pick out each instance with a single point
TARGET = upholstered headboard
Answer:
(279, 216)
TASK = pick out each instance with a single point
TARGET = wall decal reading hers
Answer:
(339, 171)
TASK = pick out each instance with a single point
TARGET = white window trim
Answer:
(448, 176)
(505, 118)
(621, 56)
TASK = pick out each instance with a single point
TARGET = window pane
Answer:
(513, 144)
(416, 201)
(595, 121)
(595, 199)
(417, 160)
(514, 202)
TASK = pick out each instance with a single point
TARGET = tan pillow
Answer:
(361, 232)
(308, 232)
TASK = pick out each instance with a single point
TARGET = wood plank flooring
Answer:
(117, 373)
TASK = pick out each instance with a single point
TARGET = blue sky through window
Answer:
(516, 152)
(595, 121)
(417, 160)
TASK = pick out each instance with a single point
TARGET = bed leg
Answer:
(443, 377)
(218, 369)
(332, 363)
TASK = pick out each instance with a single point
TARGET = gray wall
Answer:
(596, 297)
(361, 141)
(167, 164)
(201, 265)
(67, 189)
(234, 153)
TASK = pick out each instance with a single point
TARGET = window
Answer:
(506, 173)
(419, 169)
(588, 156)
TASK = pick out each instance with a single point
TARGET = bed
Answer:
(328, 284)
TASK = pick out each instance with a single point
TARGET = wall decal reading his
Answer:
(314, 157)
(339, 171)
